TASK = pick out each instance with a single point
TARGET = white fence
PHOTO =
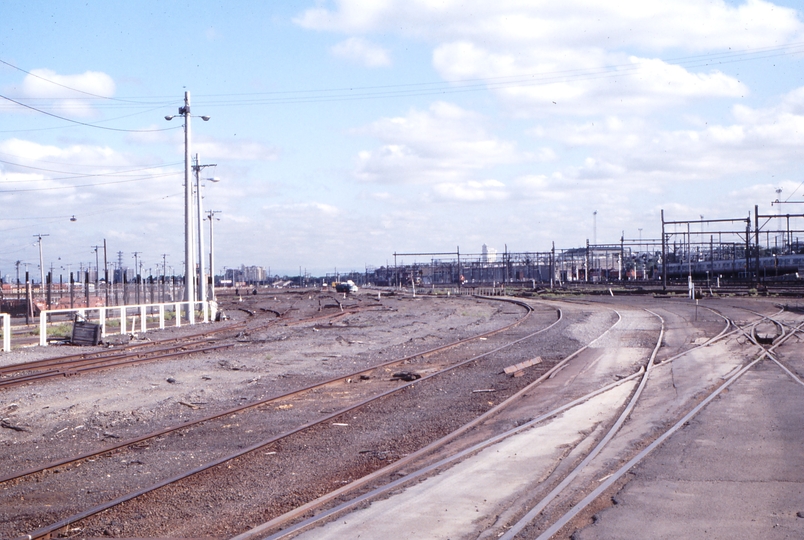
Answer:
(6, 332)
(138, 313)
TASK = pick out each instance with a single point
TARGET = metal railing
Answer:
(122, 313)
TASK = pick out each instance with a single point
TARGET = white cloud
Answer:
(650, 24)
(444, 144)
(27, 152)
(361, 51)
(70, 93)
(316, 208)
(209, 148)
(582, 82)
(474, 191)
(639, 154)
(587, 56)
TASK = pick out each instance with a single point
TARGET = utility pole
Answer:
(202, 282)
(41, 261)
(164, 275)
(189, 256)
(97, 267)
(136, 275)
(211, 217)
(18, 263)
(105, 272)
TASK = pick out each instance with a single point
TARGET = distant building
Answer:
(488, 255)
(246, 274)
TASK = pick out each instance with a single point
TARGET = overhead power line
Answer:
(72, 186)
(85, 123)
(84, 175)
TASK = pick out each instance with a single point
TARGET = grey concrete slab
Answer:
(735, 471)
(454, 503)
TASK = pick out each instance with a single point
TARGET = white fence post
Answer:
(43, 328)
(6, 332)
(142, 312)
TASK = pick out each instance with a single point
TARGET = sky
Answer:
(345, 131)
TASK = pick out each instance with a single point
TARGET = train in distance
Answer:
(792, 264)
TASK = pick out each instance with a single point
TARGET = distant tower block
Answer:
(488, 255)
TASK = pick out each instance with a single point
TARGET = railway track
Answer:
(160, 349)
(557, 492)
(287, 401)
(767, 349)
(341, 489)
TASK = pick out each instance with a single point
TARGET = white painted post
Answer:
(122, 320)
(6, 332)
(205, 306)
(43, 328)
(143, 318)
(102, 317)
(161, 316)
(178, 314)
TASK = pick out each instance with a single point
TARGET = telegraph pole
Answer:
(189, 256)
(41, 260)
(97, 267)
(105, 272)
(202, 282)
(211, 217)
(136, 274)
(164, 275)
(18, 263)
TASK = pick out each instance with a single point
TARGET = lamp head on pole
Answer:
(170, 117)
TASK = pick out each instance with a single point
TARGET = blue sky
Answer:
(344, 131)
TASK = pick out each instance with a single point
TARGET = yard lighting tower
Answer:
(189, 256)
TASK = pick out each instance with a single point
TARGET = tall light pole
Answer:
(202, 282)
(189, 256)
(97, 267)
(41, 261)
(211, 216)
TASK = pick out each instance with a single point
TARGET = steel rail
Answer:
(63, 365)
(48, 530)
(75, 368)
(281, 521)
(48, 362)
(240, 408)
(181, 339)
(556, 491)
(608, 482)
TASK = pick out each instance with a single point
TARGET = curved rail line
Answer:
(608, 482)
(280, 397)
(541, 505)
(531, 515)
(44, 532)
(285, 522)
(131, 354)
